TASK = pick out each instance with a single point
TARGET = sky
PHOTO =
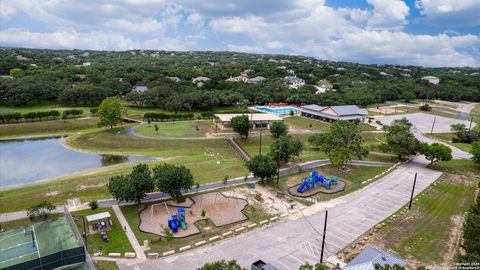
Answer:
(411, 32)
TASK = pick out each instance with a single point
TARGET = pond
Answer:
(28, 161)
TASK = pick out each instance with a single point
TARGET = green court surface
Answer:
(35, 241)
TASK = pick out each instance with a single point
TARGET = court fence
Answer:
(80, 240)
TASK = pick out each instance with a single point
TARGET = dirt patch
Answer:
(386, 110)
(84, 187)
(52, 193)
(271, 200)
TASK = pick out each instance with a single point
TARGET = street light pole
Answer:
(260, 149)
(324, 231)
(433, 124)
(413, 189)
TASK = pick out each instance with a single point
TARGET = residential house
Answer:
(431, 79)
(255, 80)
(200, 81)
(175, 79)
(294, 81)
(86, 64)
(140, 88)
(237, 79)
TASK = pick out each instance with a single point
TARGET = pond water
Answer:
(28, 161)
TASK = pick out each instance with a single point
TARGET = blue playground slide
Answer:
(302, 187)
(172, 225)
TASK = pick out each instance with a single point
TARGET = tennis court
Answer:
(39, 245)
(17, 246)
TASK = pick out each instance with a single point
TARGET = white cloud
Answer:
(92, 40)
(195, 19)
(450, 12)
(7, 12)
(325, 34)
(388, 14)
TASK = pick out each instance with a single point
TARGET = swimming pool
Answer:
(277, 110)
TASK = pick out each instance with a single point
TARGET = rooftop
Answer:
(226, 117)
(370, 256)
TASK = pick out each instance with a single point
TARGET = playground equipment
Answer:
(177, 220)
(309, 182)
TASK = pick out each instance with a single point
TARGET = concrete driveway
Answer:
(424, 122)
(290, 243)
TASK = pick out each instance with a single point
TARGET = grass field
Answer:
(178, 129)
(304, 123)
(447, 137)
(105, 265)
(47, 128)
(424, 235)
(118, 239)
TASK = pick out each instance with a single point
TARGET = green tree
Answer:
(341, 143)
(110, 112)
(156, 128)
(400, 140)
(317, 266)
(172, 179)
(93, 205)
(241, 124)
(262, 166)
(475, 151)
(435, 152)
(278, 129)
(132, 187)
(222, 265)
(15, 72)
(286, 147)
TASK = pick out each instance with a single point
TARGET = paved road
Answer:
(456, 153)
(231, 182)
(288, 244)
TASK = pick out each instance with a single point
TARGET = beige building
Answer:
(256, 119)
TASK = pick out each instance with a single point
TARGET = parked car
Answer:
(261, 265)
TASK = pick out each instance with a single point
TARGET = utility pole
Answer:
(278, 166)
(413, 190)
(470, 127)
(433, 124)
(260, 148)
(324, 232)
(85, 232)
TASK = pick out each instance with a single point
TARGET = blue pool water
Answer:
(278, 110)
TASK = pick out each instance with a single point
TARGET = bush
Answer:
(425, 107)
(94, 111)
(160, 117)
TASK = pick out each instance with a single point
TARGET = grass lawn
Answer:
(43, 106)
(447, 138)
(457, 166)
(300, 123)
(254, 212)
(47, 128)
(178, 129)
(118, 239)
(105, 265)
(424, 234)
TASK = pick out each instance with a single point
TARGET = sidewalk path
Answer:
(289, 244)
(131, 237)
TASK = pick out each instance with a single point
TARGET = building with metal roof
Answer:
(256, 119)
(370, 257)
(333, 113)
(140, 88)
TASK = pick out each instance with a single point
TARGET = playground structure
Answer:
(315, 179)
(177, 220)
(220, 210)
(317, 184)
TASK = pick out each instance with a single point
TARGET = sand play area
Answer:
(318, 189)
(386, 110)
(220, 209)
